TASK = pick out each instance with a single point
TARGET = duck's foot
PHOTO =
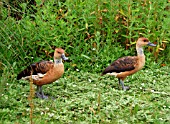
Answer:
(41, 96)
(125, 88)
(40, 93)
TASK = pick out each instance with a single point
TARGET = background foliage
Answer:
(93, 33)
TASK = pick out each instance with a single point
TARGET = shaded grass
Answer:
(77, 99)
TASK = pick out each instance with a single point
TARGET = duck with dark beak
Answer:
(125, 66)
(45, 72)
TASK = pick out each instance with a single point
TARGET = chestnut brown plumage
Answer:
(45, 72)
(39, 67)
(125, 66)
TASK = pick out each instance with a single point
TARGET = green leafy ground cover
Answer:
(82, 97)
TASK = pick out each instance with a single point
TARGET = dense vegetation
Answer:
(93, 33)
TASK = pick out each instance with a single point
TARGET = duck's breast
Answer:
(52, 75)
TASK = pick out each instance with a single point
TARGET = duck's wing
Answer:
(39, 67)
(123, 64)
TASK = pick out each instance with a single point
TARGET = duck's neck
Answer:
(58, 61)
(141, 57)
(139, 51)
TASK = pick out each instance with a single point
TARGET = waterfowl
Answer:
(45, 72)
(125, 66)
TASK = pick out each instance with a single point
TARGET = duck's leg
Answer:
(40, 93)
(122, 84)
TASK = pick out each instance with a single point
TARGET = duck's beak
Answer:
(151, 44)
(64, 57)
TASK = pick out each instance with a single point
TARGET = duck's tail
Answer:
(27, 72)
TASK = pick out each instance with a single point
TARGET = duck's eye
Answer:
(145, 40)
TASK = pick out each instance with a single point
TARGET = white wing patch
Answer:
(113, 74)
(34, 77)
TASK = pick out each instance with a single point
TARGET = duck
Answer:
(45, 72)
(128, 65)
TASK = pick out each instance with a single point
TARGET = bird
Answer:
(128, 65)
(45, 72)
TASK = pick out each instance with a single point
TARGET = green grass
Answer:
(82, 97)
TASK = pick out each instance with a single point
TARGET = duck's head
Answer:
(144, 42)
(60, 53)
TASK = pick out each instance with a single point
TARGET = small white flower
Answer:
(42, 113)
(47, 108)
(89, 80)
(77, 69)
(51, 114)
(160, 118)
(152, 91)
(6, 97)
(94, 49)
